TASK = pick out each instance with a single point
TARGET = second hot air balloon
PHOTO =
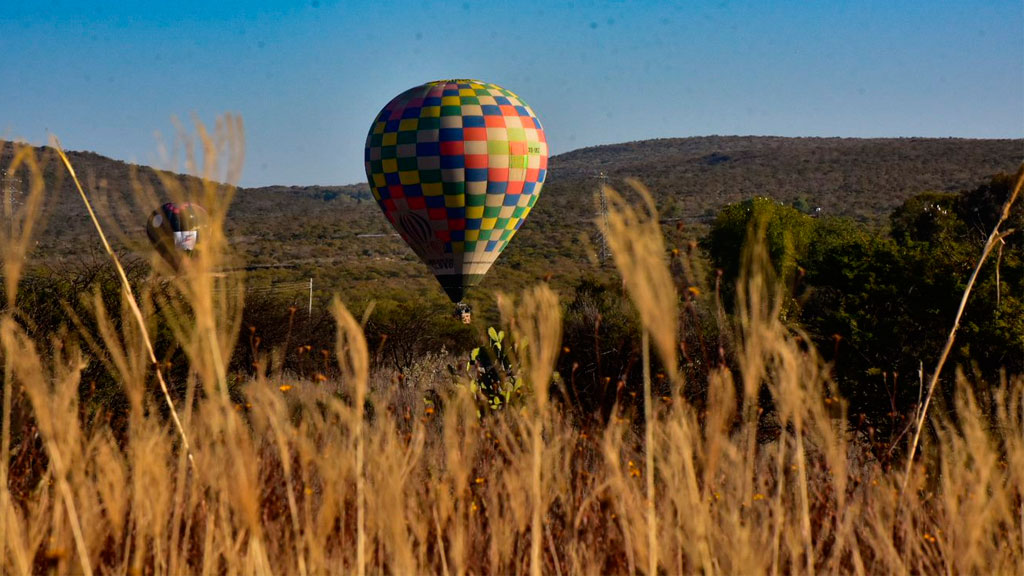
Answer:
(456, 166)
(174, 230)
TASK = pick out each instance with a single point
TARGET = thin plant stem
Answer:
(995, 238)
(133, 304)
(652, 521)
(536, 524)
(5, 450)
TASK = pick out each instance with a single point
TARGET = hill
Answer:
(337, 235)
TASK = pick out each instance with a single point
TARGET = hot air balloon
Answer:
(174, 230)
(456, 166)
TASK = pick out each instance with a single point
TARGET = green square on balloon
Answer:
(454, 188)
(430, 176)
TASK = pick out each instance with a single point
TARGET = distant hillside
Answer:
(337, 234)
(859, 178)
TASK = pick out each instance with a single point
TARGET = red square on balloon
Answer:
(497, 174)
(416, 202)
(454, 148)
(477, 133)
(476, 160)
(494, 121)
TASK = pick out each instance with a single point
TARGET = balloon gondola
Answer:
(456, 166)
(175, 231)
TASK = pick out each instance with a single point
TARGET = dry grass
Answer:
(358, 476)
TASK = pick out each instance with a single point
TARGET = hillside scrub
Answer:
(879, 304)
(351, 472)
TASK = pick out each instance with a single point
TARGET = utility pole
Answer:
(11, 192)
(603, 237)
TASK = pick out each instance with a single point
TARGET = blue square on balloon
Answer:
(522, 111)
(497, 187)
(411, 112)
(491, 245)
(432, 101)
(511, 200)
(473, 121)
(541, 174)
(528, 187)
(413, 190)
(491, 110)
(473, 223)
(501, 100)
(392, 125)
(450, 91)
(428, 149)
(435, 201)
(393, 179)
(449, 162)
(476, 174)
(451, 135)
(458, 213)
(458, 235)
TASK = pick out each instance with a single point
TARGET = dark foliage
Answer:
(879, 306)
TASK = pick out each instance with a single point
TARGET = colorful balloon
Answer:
(456, 166)
(174, 230)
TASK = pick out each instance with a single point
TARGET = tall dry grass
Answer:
(351, 476)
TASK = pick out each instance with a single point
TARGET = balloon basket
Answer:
(463, 312)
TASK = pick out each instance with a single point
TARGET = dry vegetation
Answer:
(359, 475)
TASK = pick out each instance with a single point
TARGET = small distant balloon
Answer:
(456, 166)
(175, 230)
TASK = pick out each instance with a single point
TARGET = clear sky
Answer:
(309, 77)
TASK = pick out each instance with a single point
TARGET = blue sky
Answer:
(309, 77)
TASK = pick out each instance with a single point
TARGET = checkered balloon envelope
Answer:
(456, 166)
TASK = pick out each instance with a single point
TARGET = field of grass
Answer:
(369, 471)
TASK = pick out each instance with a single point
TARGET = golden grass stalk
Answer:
(354, 359)
(538, 326)
(635, 239)
(26, 368)
(995, 238)
(15, 239)
(638, 248)
(133, 304)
